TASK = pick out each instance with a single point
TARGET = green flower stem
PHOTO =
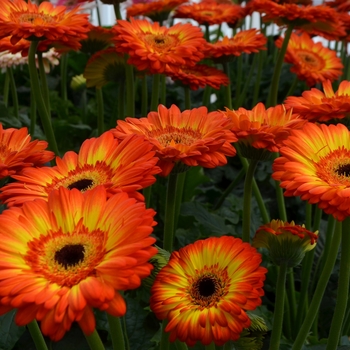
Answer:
(279, 308)
(14, 96)
(180, 183)
(227, 89)
(155, 92)
(258, 78)
(94, 341)
(261, 204)
(239, 75)
(147, 194)
(180, 345)
(117, 12)
(98, 14)
(37, 335)
(144, 96)
(170, 212)
(187, 92)
(6, 88)
(130, 100)
(211, 346)
(229, 189)
(291, 295)
(272, 97)
(121, 105)
(321, 286)
(287, 327)
(163, 89)
(317, 219)
(43, 80)
(64, 75)
(343, 289)
(32, 112)
(100, 111)
(292, 87)
(308, 216)
(247, 198)
(116, 332)
(164, 340)
(43, 112)
(206, 96)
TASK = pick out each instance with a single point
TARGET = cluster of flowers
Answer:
(77, 233)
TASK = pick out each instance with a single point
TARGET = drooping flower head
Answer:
(17, 151)
(286, 242)
(319, 106)
(98, 39)
(247, 41)
(206, 289)
(192, 137)
(22, 20)
(315, 165)
(129, 166)
(261, 131)
(209, 13)
(58, 258)
(200, 75)
(154, 48)
(311, 62)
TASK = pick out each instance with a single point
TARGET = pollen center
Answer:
(70, 255)
(82, 185)
(161, 41)
(206, 287)
(35, 18)
(311, 60)
(343, 170)
(171, 135)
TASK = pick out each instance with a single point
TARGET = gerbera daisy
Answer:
(98, 39)
(58, 258)
(153, 47)
(247, 41)
(128, 165)
(20, 19)
(17, 151)
(206, 288)
(262, 129)
(286, 242)
(311, 61)
(319, 106)
(200, 75)
(193, 137)
(314, 165)
(321, 18)
(209, 13)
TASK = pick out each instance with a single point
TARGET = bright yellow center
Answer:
(66, 259)
(161, 42)
(311, 60)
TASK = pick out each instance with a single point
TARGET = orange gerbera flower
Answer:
(128, 166)
(158, 11)
(262, 128)
(155, 48)
(322, 19)
(209, 13)
(311, 61)
(17, 151)
(98, 39)
(247, 41)
(20, 19)
(315, 165)
(206, 288)
(199, 75)
(318, 106)
(58, 258)
(193, 137)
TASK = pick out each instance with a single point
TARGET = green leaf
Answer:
(9, 331)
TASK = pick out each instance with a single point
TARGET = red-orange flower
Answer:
(129, 166)
(58, 258)
(193, 137)
(315, 165)
(17, 151)
(209, 13)
(22, 20)
(98, 38)
(262, 128)
(311, 61)
(206, 288)
(199, 75)
(153, 47)
(247, 41)
(319, 106)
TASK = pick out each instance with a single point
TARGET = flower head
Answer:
(58, 257)
(319, 106)
(17, 151)
(315, 165)
(154, 48)
(20, 19)
(287, 243)
(193, 137)
(206, 289)
(98, 39)
(200, 75)
(262, 129)
(311, 61)
(129, 166)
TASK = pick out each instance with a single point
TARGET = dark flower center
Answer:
(81, 185)
(343, 170)
(70, 255)
(206, 287)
